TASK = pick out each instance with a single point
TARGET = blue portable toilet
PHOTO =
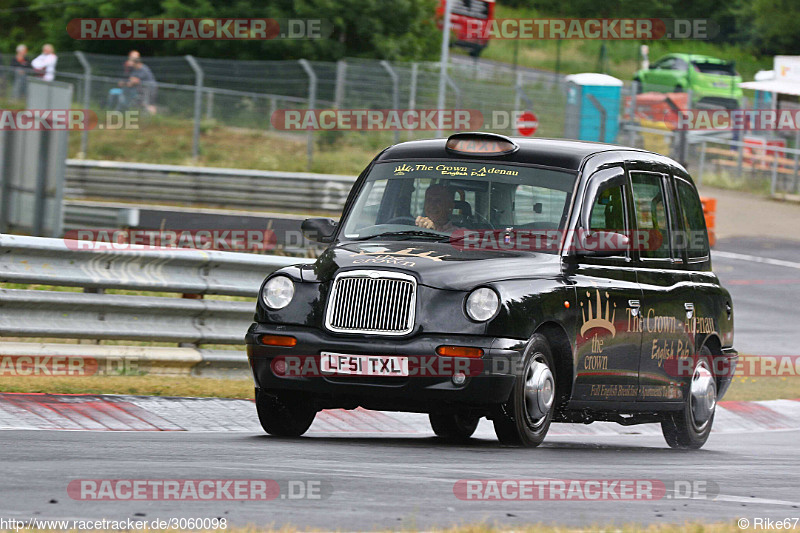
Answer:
(583, 118)
(763, 100)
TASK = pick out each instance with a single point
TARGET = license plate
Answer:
(363, 365)
(721, 84)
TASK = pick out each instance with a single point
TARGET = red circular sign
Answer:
(527, 124)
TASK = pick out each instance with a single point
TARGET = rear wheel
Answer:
(454, 427)
(526, 416)
(688, 429)
(284, 415)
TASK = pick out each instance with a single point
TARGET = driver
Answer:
(438, 208)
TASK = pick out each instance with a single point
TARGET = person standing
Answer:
(45, 63)
(21, 66)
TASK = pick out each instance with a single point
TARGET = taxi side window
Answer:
(694, 223)
(651, 214)
(608, 211)
(538, 207)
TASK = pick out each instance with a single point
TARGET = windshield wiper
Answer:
(406, 233)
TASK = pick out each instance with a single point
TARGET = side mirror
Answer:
(602, 244)
(319, 229)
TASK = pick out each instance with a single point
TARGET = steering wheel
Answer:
(407, 220)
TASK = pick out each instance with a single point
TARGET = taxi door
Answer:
(607, 349)
(667, 286)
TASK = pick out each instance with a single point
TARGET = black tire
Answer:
(681, 429)
(284, 415)
(454, 427)
(638, 85)
(515, 425)
(679, 89)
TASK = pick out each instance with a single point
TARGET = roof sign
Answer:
(481, 144)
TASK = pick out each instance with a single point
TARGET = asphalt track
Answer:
(386, 482)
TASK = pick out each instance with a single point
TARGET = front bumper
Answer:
(427, 388)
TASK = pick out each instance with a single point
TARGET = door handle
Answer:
(689, 309)
(634, 305)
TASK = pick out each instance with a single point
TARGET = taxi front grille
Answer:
(374, 302)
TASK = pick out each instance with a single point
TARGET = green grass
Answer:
(729, 180)
(146, 385)
(168, 140)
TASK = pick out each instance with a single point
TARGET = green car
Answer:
(711, 80)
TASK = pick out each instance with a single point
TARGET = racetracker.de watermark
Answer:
(583, 489)
(241, 240)
(734, 119)
(606, 29)
(752, 366)
(23, 365)
(66, 120)
(376, 119)
(197, 29)
(576, 241)
(396, 119)
(198, 489)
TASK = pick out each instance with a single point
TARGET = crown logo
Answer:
(408, 252)
(402, 169)
(596, 317)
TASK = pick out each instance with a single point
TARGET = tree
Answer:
(770, 25)
(386, 29)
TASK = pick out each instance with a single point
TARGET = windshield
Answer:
(419, 200)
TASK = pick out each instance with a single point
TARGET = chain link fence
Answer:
(245, 94)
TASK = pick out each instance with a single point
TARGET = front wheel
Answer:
(454, 427)
(526, 416)
(284, 415)
(688, 429)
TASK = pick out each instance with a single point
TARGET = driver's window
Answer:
(608, 211)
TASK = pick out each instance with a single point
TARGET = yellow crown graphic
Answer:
(408, 252)
(402, 169)
(596, 317)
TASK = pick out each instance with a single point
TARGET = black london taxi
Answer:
(527, 281)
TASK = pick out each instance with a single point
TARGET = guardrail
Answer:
(144, 182)
(97, 315)
(77, 216)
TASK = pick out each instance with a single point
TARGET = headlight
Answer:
(482, 304)
(278, 292)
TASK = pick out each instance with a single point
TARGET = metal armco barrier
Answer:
(95, 315)
(144, 182)
(78, 216)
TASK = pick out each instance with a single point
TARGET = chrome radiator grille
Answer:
(372, 302)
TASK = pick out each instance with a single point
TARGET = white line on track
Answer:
(755, 259)
(747, 499)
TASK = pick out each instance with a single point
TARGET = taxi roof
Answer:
(558, 153)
